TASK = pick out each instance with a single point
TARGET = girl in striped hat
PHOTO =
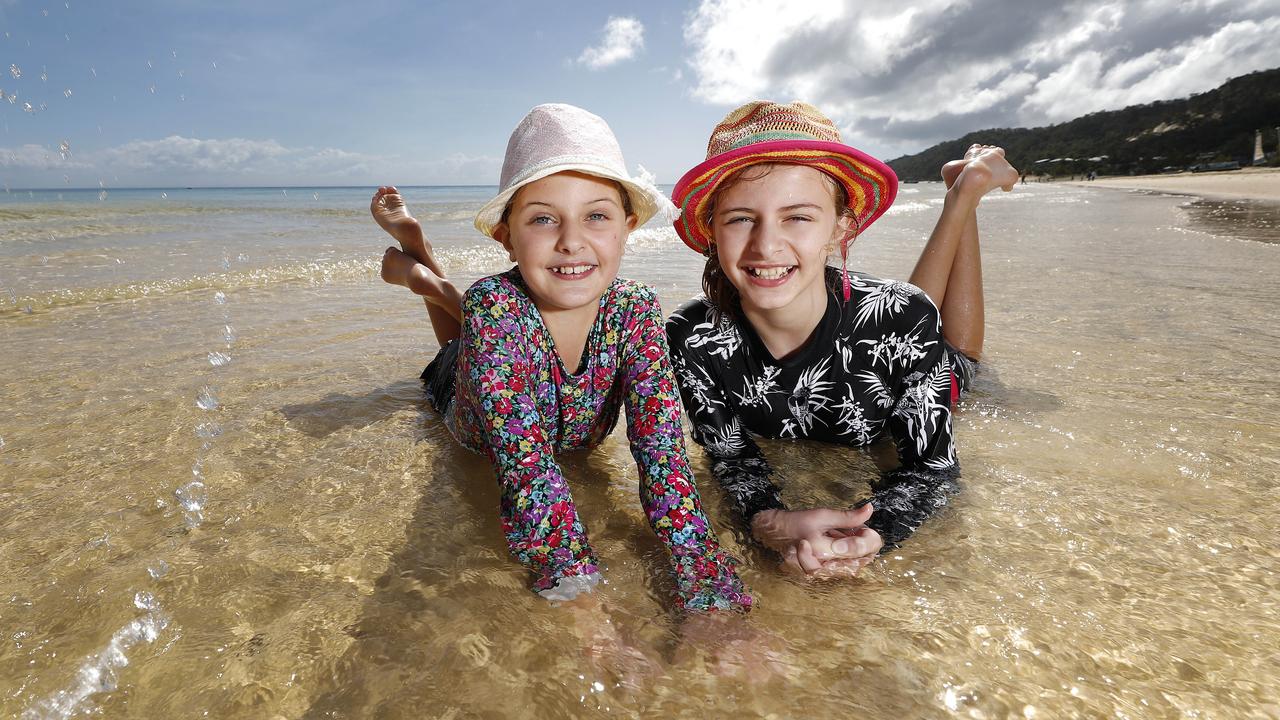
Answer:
(785, 346)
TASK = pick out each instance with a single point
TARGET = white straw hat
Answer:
(556, 138)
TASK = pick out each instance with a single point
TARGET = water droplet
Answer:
(218, 359)
(182, 74)
(102, 195)
(93, 72)
(220, 298)
(228, 333)
(64, 149)
(284, 192)
(16, 72)
(153, 88)
(164, 196)
(44, 75)
(145, 601)
(158, 569)
(192, 497)
(315, 196)
(215, 64)
(208, 431)
(206, 400)
(1, 443)
(149, 64)
(242, 257)
(44, 13)
(174, 53)
(66, 93)
(26, 107)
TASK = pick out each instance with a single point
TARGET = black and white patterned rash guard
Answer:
(876, 364)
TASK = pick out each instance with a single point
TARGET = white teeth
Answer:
(571, 269)
(772, 273)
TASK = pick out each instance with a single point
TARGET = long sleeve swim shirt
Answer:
(517, 403)
(875, 365)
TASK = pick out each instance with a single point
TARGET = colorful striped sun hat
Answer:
(767, 132)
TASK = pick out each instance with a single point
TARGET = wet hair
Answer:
(622, 191)
(722, 293)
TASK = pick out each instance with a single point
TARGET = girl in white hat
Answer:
(541, 359)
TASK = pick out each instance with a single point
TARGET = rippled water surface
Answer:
(221, 492)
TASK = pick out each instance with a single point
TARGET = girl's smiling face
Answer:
(567, 232)
(773, 233)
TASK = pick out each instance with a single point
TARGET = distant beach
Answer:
(1248, 183)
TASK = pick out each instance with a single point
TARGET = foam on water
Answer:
(99, 673)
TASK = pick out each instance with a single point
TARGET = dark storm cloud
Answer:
(919, 71)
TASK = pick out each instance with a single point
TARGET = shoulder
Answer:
(688, 317)
(888, 304)
(625, 291)
(500, 291)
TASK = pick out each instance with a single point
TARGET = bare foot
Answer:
(392, 215)
(951, 170)
(398, 268)
(983, 170)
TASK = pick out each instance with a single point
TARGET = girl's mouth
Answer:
(769, 276)
(573, 272)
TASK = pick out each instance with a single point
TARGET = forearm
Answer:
(905, 498)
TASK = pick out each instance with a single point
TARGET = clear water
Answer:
(1112, 554)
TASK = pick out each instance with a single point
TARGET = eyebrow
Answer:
(528, 203)
(788, 208)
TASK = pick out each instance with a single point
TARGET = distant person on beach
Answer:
(540, 359)
(784, 346)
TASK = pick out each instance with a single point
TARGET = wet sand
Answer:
(1248, 183)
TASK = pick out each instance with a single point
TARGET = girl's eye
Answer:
(804, 218)
(597, 216)
(738, 219)
(542, 220)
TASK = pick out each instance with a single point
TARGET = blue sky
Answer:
(285, 93)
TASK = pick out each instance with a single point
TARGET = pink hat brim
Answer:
(870, 184)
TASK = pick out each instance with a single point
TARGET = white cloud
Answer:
(733, 39)
(901, 77)
(623, 37)
(1089, 83)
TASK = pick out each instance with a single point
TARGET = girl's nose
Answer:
(570, 240)
(766, 239)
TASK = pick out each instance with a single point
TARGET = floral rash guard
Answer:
(515, 402)
(875, 365)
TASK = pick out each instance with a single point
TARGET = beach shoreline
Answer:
(1245, 184)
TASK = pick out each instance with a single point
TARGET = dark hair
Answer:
(722, 293)
(626, 202)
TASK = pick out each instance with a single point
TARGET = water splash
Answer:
(206, 399)
(99, 673)
(208, 431)
(218, 359)
(16, 72)
(158, 569)
(193, 497)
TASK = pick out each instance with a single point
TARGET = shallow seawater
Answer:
(1112, 553)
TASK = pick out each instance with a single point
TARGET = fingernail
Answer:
(840, 546)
